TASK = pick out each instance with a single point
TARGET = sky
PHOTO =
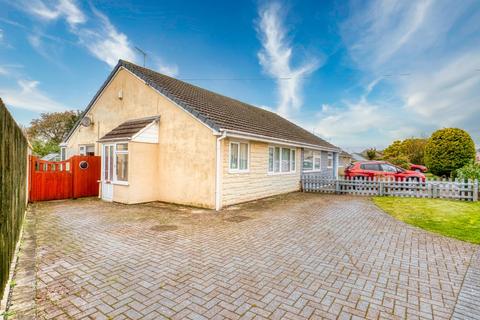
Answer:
(357, 73)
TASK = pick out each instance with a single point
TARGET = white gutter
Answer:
(257, 137)
(218, 172)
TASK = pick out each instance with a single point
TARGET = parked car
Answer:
(418, 168)
(378, 169)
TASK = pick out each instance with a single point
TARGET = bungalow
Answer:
(162, 139)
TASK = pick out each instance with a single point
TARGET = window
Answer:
(388, 168)
(312, 160)
(371, 167)
(238, 156)
(87, 150)
(121, 162)
(281, 160)
(330, 160)
(63, 154)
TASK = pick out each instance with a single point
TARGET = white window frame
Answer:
(238, 170)
(293, 160)
(329, 157)
(114, 173)
(82, 149)
(316, 154)
(63, 153)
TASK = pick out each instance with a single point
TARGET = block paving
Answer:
(297, 256)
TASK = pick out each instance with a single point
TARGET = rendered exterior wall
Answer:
(142, 172)
(183, 168)
(257, 183)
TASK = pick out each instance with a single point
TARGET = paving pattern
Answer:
(299, 256)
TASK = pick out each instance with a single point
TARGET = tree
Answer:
(46, 133)
(41, 148)
(410, 150)
(52, 126)
(371, 153)
(448, 150)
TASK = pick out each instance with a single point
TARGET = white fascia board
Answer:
(116, 140)
(257, 137)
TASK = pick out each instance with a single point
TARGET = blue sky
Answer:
(359, 73)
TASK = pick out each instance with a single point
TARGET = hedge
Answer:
(13, 189)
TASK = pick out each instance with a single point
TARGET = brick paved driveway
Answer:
(296, 256)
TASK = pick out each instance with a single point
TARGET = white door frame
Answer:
(107, 181)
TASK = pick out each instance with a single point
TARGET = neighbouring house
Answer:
(477, 157)
(358, 157)
(162, 139)
(345, 159)
(51, 157)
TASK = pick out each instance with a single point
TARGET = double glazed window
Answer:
(281, 159)
(312, 160)
(86, 150)
(330, 160)
(239, 154)
(121, 162)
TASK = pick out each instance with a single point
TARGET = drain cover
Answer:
(163, 227)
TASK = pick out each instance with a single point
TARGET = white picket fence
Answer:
(444, 188)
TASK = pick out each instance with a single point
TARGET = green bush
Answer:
(447, 150)
(371, 153)
(470, 171)
(413, 149)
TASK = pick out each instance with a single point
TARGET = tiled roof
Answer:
(220, 112)
(128, 129)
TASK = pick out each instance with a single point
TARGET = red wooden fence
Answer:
(73, 178)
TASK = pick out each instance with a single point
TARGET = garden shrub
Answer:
(447, 150)
(469, 171)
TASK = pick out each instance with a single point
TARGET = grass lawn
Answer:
(456, 219)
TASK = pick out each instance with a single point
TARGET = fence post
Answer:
(381, 187)
(337, 185)
(475, 190)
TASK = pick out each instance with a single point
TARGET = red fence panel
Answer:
(74, 178)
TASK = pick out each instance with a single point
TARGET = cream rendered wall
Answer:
(185, 156)
(257, 183)
(109, 111)
(142, 174)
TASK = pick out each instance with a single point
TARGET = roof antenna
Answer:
(143, 53)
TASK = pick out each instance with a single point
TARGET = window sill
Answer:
(120, 183)
(281, 173)
(312, 171)
(238, 171)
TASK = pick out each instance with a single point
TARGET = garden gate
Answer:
(73, 178)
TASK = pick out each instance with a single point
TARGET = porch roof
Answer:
(128, 129)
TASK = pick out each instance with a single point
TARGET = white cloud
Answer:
(95, 32)
(28, 96)
(431, 51)
(169, 70)
(61, 8)
(3, 71)
(104, 41)
(276, 58)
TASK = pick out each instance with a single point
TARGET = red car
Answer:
(379, 169)
(418, 167)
